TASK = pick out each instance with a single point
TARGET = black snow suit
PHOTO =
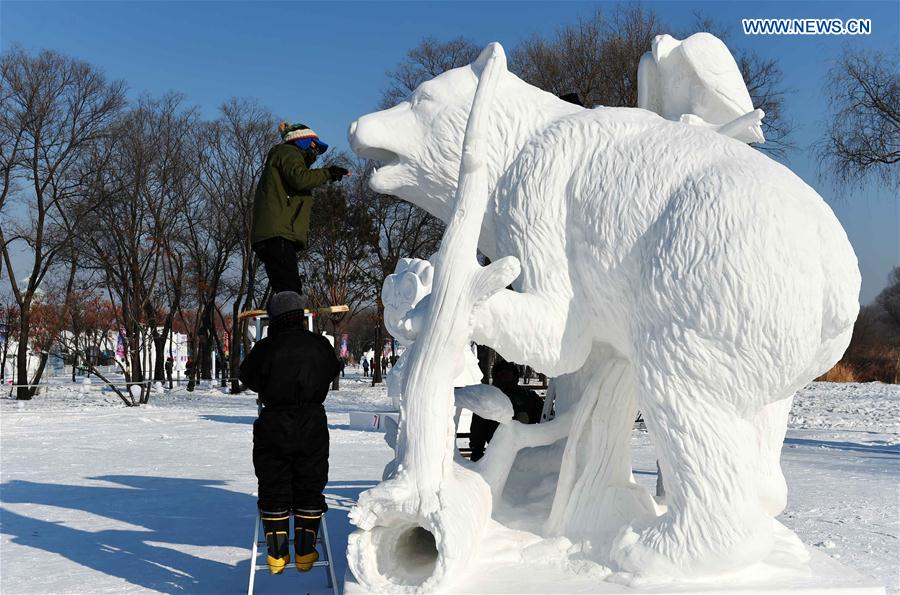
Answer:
(291, 370)
(527, 409)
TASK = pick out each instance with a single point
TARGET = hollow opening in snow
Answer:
(415, 552)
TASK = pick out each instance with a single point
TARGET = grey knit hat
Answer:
(284, 302)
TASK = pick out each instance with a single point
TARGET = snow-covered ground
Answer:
(99, 498)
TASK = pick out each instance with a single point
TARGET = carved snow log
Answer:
(596, 493)
(419, 529)
(511, 436)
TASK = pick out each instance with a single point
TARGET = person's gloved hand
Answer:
(336, 173)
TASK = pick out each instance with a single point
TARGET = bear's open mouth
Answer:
(383, 156)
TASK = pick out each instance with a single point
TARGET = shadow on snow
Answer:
(167, 515)
(878, 447)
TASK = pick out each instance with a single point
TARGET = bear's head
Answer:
(419, 141)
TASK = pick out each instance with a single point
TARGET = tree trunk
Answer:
(220, 353)
(22, 392)
(135, 376)
(42, 363)
(379, 343)
(74, 353)
(206, 343)
(237, 341)
(5, 353)
(145, 364)
(159, 355)
(336, 332)
(172, 373)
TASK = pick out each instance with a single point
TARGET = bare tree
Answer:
(862, 137)
(888, 303)
(9, 316)
(341, 234)
(211, 239)
(597, 57)
(765, 83)
(426, 61)
(54, 110)
(135, 236)
(234, 153)
(400, 230)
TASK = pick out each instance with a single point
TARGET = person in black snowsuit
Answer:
(291, 370)
(170, 364)
(527, 407)
(189, 372)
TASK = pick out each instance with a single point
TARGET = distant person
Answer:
(384, 365)
(170, 363)
(283, 203)
(343, 366)
(527, 407)
(365, 367)
(189, 372)
(291, 370)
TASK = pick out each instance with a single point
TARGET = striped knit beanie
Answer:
(301, 135)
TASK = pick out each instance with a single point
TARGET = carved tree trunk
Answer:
(419, 529)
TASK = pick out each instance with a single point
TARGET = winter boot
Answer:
(276, 526)
(306, 533)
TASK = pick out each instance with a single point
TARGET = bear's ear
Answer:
(492, 49)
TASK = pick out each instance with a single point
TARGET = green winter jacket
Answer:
(283, 201)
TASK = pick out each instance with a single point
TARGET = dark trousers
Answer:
(290, 457)
(480, 433)
(279, 257)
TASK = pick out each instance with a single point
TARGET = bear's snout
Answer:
(384, 136)
(367, 140)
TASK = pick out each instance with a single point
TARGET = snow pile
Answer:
(869, 407)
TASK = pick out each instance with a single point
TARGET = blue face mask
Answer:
(304, 144)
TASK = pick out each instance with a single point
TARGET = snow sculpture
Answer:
(697, 81)
(663, 266)
(402, 291)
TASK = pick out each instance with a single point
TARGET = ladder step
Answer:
(320, 563)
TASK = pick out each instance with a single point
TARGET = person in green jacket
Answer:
(283, 202)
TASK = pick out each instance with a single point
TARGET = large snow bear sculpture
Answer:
(719, 280)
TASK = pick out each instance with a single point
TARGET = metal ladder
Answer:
(326, 561)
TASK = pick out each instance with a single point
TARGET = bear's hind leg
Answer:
(709, 458)
(771, 427)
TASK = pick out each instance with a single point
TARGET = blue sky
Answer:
(324, 63)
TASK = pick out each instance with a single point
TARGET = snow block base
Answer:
(549, 566)
(370, 421)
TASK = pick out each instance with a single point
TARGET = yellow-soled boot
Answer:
(306, 533)
(276, 526)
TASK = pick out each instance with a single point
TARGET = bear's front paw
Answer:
(402, 292)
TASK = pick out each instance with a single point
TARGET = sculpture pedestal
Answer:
(519, 562)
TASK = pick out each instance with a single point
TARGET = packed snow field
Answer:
(99, 498)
